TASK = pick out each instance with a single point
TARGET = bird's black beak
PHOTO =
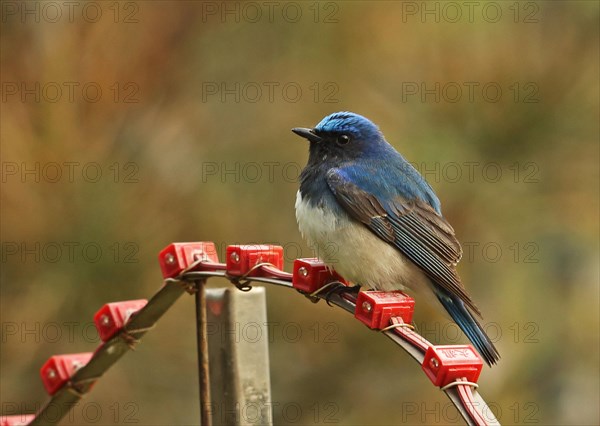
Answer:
(307, 134)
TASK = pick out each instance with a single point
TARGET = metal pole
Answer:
(239, 357)
(203, 367)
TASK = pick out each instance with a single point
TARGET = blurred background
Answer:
(126, 126)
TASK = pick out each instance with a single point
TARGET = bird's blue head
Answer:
(342, 137)
(348, 122)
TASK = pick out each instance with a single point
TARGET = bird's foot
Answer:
(342, 289)
(326, 289)
(330, 289)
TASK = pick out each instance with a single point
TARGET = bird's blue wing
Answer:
(408, 222)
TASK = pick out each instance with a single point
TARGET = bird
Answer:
(373, 218)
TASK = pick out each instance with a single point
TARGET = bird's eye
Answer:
(343, 139)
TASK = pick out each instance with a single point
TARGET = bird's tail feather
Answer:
(470, 326)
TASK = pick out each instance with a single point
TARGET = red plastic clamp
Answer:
(176, 257)
(242, 258)
(111, 317)
(376, 308)
(311, 274)
(59, 368)
(445, 364)
(16, 420)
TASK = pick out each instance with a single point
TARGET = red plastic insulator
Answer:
(111, 317)
(242, 258)
(311, 274)
(376, 308)
(445, 364)
(177, 257)
(59, 368)
(16, 420)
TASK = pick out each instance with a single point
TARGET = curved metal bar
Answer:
(109, 352)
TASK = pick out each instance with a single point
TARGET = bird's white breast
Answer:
(354, 251)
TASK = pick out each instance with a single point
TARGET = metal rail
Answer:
(468, 402)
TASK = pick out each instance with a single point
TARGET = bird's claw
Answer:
(342, 289)
(329, 290)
